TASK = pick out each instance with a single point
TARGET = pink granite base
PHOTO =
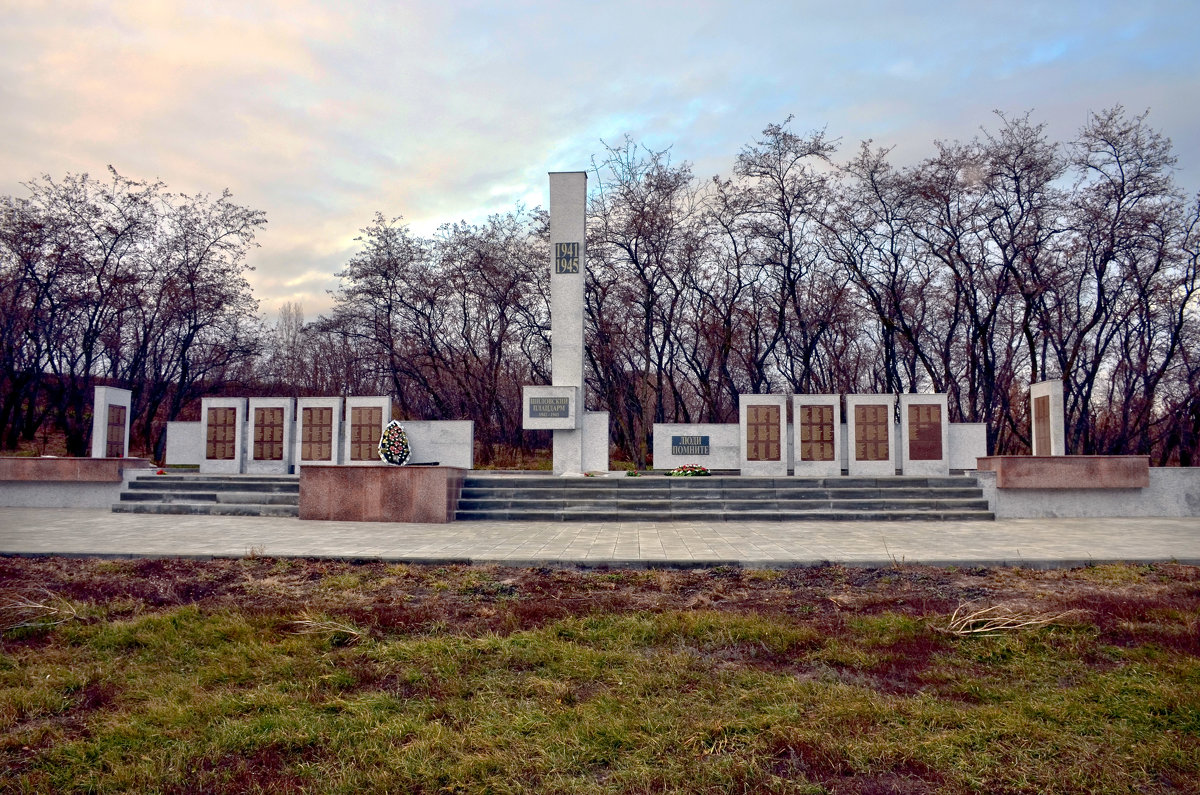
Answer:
(81, 470)
(1068, 471)
(380, 493)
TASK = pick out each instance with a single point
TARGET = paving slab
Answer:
(1025, 542)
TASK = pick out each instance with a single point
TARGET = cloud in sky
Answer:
(323, 113)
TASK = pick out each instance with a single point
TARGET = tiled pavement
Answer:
(1030, 542)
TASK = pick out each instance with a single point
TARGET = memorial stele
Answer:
(580, 437)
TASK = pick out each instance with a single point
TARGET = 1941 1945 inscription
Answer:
(550, 407)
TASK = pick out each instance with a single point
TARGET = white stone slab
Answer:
(260, 466)
(859, 462)
(1053, 390)
(223, 466)
(803, 466)
(723, 449)
(105, 398)
(968, 443)
(777, 466)
(335, 434)
(371, 457)
(916, 454)
(550, 408)
(595, 441)
(185, 443)
(449, 442)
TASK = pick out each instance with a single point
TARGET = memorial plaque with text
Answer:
(690, 445)
(115, 448)
(1041, 425)
(566, 258)
(762, 433)
(316, 439)
(816, 433)
(871, 424)
(268, 433)
(366, 428)
(924, 432)
(550, 407)
(221, 435)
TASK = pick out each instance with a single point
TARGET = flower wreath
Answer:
(393, 444)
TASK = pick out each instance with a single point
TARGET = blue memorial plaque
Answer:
(689, 445)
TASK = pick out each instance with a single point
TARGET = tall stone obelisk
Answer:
(568, 270)
(580, 436)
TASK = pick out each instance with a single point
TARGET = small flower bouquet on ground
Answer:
(393, 444)
(689, 471)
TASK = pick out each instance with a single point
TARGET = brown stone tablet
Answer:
(762, 433)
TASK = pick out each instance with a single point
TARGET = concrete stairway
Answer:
(718, 498)
(226, 495)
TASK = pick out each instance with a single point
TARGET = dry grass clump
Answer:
(33, 608)
(968, 619)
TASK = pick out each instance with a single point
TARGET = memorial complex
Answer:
(788, 457)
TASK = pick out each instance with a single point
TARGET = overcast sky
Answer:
(323, 113)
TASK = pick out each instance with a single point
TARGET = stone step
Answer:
(721, 498)
(738, 516)
(552, 482)
(215, 509)
(223, 497)
(573, 492)
(266, 487)
(725, 506)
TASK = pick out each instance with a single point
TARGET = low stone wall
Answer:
(1068, 471)
(66, 482)
(380, 493)
(1170, 492)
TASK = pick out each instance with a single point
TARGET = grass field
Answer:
(263, 675)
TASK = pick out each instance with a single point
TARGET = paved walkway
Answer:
(1028, 542)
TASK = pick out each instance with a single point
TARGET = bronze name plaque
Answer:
(762, 433)
(871, 423)
(268, 434)
(1041, 425)
(816, 433)
(115, 445)
(924, 432)
(366, 427)
(221, 434)
(316, 438)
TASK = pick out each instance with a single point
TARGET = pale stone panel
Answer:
(223, 435)
(723, 449)
(365, 451)
(265, 441)
(924, 435)
(870, 453)
(762, 438)
(595, 441)
(185, 443)
(449, 442)
(550, 408)
(1046, 406)
(108, 398)
(968, 443)
(322, 446)
(815, 417)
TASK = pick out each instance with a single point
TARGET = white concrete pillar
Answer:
(581, 443)
(1048, 419)
(110, 422)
